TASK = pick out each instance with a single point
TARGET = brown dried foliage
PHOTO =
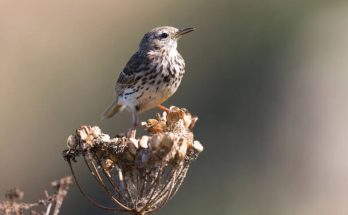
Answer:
(51, 204)
(139, 175)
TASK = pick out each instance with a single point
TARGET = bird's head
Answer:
(163, 37)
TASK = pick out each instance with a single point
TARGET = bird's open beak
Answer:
(182, 32)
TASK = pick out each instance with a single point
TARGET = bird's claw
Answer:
(163, 108)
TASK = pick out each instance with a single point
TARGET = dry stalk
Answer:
(11, 206)
(139, 175)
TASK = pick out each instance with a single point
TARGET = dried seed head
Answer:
(146, 172)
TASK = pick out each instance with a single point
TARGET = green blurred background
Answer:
(268, 80)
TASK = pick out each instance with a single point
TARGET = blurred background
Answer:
(268, 80)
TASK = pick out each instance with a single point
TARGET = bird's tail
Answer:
(114, 108)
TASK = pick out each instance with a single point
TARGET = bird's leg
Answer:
(135, 122)
(163, 108)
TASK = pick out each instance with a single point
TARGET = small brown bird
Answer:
(152, 74)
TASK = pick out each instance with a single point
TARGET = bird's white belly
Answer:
(147, 99)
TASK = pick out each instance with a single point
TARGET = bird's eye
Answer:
(164, 35)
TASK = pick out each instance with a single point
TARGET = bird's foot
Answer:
(163, 108)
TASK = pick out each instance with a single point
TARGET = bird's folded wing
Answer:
(136, 65)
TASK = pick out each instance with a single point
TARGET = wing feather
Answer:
(137, 64)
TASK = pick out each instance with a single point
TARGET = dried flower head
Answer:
(139, 175)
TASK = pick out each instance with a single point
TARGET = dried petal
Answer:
(96, 131)
(105, 138)
(143, 142)
(71, 142)
(197, 146)
(82, 134)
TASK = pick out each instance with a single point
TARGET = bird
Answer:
(152, 74)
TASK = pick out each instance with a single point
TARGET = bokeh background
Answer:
(268, 80)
